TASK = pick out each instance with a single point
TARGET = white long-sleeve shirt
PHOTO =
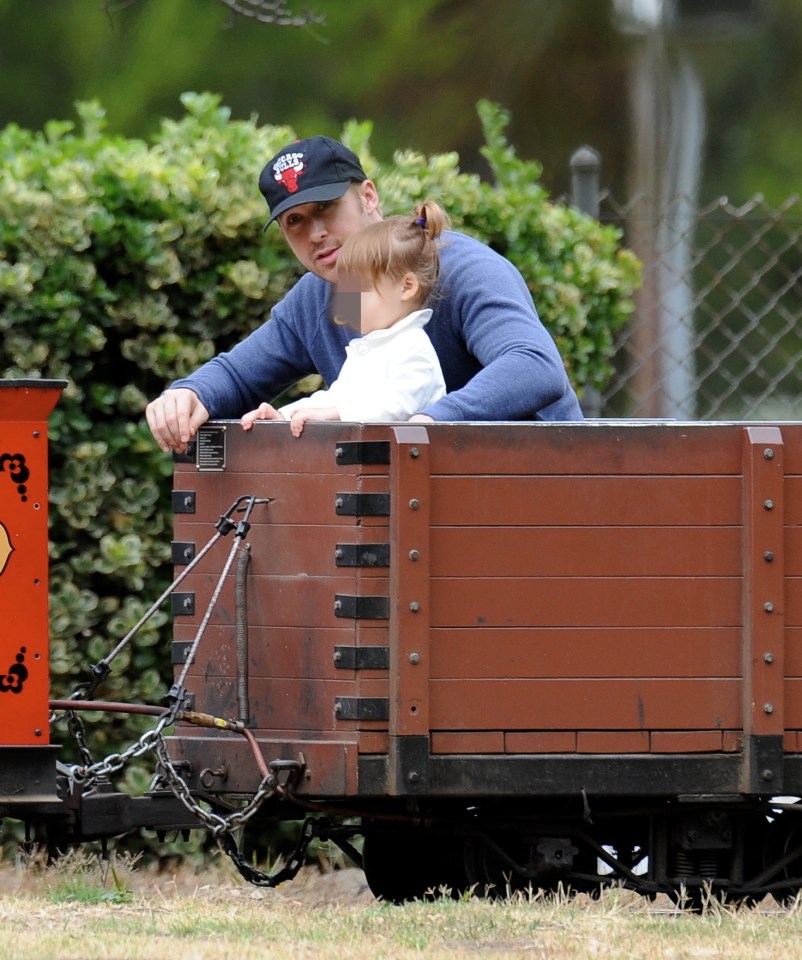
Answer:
(388, 374)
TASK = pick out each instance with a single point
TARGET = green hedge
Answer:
(124, 264)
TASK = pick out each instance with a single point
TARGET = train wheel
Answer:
(755, 835)
(783, 844)
(487, 864)
(413, 865)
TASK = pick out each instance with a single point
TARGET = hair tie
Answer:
(421, 222)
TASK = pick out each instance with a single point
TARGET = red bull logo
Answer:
(287, 169)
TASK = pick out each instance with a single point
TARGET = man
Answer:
(498, 360)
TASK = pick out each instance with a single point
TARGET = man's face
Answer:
(316, 231)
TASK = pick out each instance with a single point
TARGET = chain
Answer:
(217, 823)
(89, 771)
(258, 877)
(86, 775)
(78, 732)
(222, 827)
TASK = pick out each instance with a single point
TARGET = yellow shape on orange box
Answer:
(5, 548)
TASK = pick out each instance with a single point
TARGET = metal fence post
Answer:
(585, 168)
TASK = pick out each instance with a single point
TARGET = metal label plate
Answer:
(211, 448)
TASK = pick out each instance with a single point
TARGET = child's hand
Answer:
(299, 417)
(263, 412)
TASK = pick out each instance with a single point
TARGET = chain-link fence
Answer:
(717, 329)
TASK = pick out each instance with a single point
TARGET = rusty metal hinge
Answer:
(369, 452)
(362, 658)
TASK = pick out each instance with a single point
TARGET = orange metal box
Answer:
(24, 682)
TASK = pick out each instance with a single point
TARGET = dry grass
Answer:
(82, 910)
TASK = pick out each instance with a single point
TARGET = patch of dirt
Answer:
(313, 886)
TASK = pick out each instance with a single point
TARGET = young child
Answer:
(386, 272)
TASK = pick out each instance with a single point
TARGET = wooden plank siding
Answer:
(603, 593)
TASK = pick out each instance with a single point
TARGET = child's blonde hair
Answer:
(397, 246)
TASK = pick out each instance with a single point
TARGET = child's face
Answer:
(366, 307)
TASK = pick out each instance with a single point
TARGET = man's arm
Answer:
(255, 370)
(499, 361)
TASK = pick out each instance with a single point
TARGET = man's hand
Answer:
(174, 418)
(420, 418)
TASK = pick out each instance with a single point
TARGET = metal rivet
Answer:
(768, 504)
(414, 658)
(414, 504)
(414, 606)
(768, 708)
(766, 774)
(768, 658)
(414, 452)
(768, 556)
(768, 606)
(768, 453)
(413, 555)
(414, 776)
(36, 434)
(37, 732)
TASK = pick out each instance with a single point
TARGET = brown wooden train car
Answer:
(517, 653)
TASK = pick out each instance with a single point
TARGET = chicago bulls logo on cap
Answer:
(287, 169)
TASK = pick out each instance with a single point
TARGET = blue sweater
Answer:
(498, 360)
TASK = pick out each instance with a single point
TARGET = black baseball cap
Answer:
(308, 171)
